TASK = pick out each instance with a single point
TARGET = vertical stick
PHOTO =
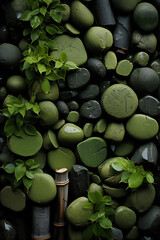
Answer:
(61, 179)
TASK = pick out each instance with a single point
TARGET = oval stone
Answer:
(119, 101)
(96, 66)
(78, 78)
(142, 127)
(92, 151)
(91, 109)
(124, 217)
(90, 92)
(70, 134)
(149, 105)
(144, 80)
(7, 230)
(62, 108)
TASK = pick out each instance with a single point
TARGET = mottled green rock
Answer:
(13, 200)
(141, 199)
(50, 140)
(98, 39)
(43, 189)
(142, 127)
(115, 132)
(88, 130)
(77, 214)
(73, 116)
(124, 68)
(110, 60)
(141, 58)
(119, 101)
(70, 134)
(26, 145)
(92, 151)
(61, 158)
(114, 192)
(124, 217)
(81, 16)
(73, 47)
(100, 126)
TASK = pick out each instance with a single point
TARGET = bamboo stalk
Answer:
(61, 180)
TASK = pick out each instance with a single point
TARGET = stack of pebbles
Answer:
(107, 109)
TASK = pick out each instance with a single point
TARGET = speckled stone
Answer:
(90, 92)
(149, 105)
(78, 78)
(142, 127)
(91, 109)
(119, 101)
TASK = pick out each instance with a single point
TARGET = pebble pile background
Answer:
(108, 108)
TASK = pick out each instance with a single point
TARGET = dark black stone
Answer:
(150, 220)
(104, 13)
(62, 108)
(117, 233)
(79, 181)
(78, 78)
(66, 95)
(90, 92)
(61, 83)
(91, 109)
(73, 105)
(95, 66)
(149, 105)
(2, 143)
(146, 152)
(7, 230)
(4, 34)
(103, 86)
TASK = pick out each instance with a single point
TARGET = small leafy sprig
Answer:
(100, 225)
(21, 172)
(133, 175)
(17, 111)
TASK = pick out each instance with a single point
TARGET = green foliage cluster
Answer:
(100, 225)
(133, 175)
(21, 172)
(19, 112)
(44, 18)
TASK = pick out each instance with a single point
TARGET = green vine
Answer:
(44, 18)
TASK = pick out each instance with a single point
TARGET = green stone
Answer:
(124, 148)
(61, 158)
(114, 180)
(73, 116)
(141, 58)
(92, 151)
(133, 233)
(141, 199)
(50, 140)
(70, 134)
(155, 65)
(88, 130)
(93, 187)
(81, 16)
(74, 232)
(40, 158)
(142, 127)
(60, 123)
(100, 126)
(119, 101)
(98, 39)
(43, 189)
(26, 145)
(125, 6)
(77, 214)
(125, 217)
(66, 12)
(73, 47)
(96, 179)
(71, 29)
(115, 132)
(114, 192)
(110, 60)
(124, 68)
(13, 200)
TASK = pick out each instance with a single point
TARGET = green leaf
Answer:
(34, 36)
(63, 57)
(87, 233)
(26, 65)
(95, 229)
(107, 200)
(19, 172)
(22, 111)
(149, 177)
(38, 170)
(117, 166)
(6, 113)
(51, 44)
(58, 64)
(45, 85)
(125, 176)
(56, 16)
(9, 168)
(26, 31)
(95, 197)
(94, 217)
(29, 175)
(135, 180)
(9, 127)
(30, 129)
(106, 233)
(109, 211)
(27, 15)
(29, 162)
(41, 68)
(69, 65)
(27, 183)
(43, 10)
(105, 223)
(99, 206)
(101, 213)
(19, 122)
(19, 162)
(89, 206)
(28, 105)
(53, 76)
(36, 108)
(35, 22)
(34, 166)
(18, 131)
(51, 29)
(48, 2)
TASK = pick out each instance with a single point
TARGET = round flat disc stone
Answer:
(78, 78)
(119, 101)
(92, 151)
(142, 127)
(91, 109)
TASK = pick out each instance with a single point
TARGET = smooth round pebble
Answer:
(73, 117)
(90, 92)
(48, 113)
(78, 78)
(96, 67)
(125, 217)
(149, 105)
(91, 109)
